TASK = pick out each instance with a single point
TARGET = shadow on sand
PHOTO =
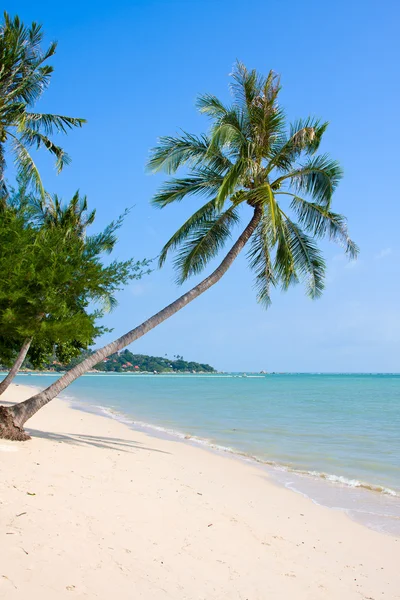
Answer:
(81, 439)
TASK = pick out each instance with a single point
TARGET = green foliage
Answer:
(124, 362)
(71, 218)
(252, 156)
(54, 285)
(24, 76)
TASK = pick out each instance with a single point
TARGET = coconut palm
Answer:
(24, 77)
(251, 162)
(72, 218)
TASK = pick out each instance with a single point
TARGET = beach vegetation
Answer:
(56, 287)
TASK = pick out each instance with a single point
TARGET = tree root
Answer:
(8, 429)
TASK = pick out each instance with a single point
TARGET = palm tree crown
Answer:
(73, 217)
(252, 157)
(24, 77)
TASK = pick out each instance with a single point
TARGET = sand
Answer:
(90, 508)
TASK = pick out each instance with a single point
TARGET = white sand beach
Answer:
(90, 508)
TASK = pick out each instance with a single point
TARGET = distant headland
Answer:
(127, 362)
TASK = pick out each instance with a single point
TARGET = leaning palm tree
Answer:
(251, 162)
(24, 77)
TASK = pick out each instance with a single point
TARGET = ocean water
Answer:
(335, 438)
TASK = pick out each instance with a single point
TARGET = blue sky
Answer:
(133, 69)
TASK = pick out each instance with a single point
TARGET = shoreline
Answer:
(320, 488)
(370, 504)
(98, 506)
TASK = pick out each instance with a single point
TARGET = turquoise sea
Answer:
(335, 438)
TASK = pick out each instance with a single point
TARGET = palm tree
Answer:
(72, 218)
(250, 162)
(24, 77)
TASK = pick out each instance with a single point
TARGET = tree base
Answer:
(8, 429)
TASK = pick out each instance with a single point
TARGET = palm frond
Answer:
(267, 125)
(230, 130)
(48, 53)
(226, 134)
(211, 106)
(320, 221)
(30, 137)
(26, 166)
(283, 265)
(260, 260)
(204, 181)
(264, 195)
(173, 152)
(232, 181)
(108, 302)
(28, 89)
(50, 123)
(247, 85)
(304, 136)
(205, 213)
(318, 177)
(204, 243)
(308, 263)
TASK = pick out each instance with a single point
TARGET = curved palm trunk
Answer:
(16, 366)
(12, 419)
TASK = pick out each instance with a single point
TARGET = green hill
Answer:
(126, 361)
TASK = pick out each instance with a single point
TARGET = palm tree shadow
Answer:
(80, 439)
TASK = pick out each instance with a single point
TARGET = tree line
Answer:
(252, 164)
(127, 362)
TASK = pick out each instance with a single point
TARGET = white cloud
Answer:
(383, 253)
